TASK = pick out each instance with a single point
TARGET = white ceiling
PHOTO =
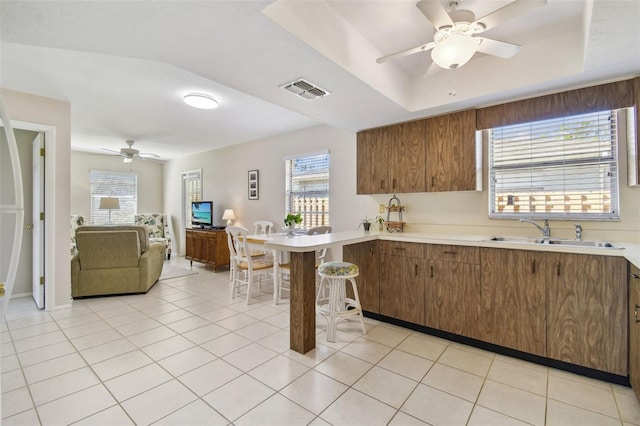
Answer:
(125, 65)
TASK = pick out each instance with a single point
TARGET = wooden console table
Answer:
(208, 246)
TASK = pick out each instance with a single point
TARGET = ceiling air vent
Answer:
(305, 90)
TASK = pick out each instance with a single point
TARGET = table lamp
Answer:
(228, 216)
(110, 203)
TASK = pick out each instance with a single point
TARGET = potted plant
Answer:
(380, 221)
(366, 223)
(292, 220)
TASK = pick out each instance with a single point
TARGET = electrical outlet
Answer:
(381, 208)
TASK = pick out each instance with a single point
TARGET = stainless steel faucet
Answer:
(546, 230)
(578, 232)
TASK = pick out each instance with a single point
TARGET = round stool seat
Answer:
(338, 269)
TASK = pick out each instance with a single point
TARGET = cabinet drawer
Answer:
(460, 254)
(397, 248)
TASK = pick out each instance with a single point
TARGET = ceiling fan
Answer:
(455, 41)
(130, 153)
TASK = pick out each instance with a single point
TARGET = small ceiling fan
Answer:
(455, 41)
(130, 153)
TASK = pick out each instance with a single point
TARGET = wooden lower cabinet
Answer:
(513, 299)
(587, 312)
(452, 290)
(402, 278)
(207, 246)
(365, 255)
(634, 329)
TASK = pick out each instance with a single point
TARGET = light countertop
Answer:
(304, 243)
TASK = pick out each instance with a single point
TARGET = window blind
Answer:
(560, 168)
(307, 189)
(123, 186)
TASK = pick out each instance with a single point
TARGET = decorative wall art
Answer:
(253, 185)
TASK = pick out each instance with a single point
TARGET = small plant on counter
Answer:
(380, 221)
(293, 219)
(366, 223)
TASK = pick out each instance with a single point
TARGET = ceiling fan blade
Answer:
(435, 13)
(418, 49)
(497, 48)
(148, 155)
(111, 151)
(509, 11)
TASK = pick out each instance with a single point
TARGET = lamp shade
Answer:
(454, 51)
(228, 215)
(111, 203)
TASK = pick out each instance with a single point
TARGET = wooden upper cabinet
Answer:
(407, 157)
(451, 152)
(373, 161)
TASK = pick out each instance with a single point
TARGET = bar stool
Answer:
(337, 306)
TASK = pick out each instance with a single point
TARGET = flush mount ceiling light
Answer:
(201, 101)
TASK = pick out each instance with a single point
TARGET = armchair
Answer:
(159, 228)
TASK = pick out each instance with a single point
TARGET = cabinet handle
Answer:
(533, 266)
(400, 248)
(433, 181)
(371, 249)
(381, 183)
(415, 267)
(635, 313)
(394, 183)
(558, 269)
(431, 271)
(634, 276)
(450, 252)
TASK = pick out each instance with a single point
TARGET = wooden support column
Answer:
(302, 335)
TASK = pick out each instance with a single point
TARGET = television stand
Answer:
(208, 246)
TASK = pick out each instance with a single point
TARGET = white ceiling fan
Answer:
(455, 41)
(130, 153)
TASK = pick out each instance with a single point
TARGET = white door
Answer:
(38, 220)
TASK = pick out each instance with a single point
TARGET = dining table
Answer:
(302, 254)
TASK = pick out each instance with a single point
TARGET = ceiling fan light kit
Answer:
(454, 51)
(200, 101)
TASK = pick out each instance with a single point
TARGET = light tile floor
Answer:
(187, 354)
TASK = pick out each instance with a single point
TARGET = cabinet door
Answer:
(513, 299)
(189, 240)
(452, 297)
(373, 162)
(451, 152)
(587, 314)
(634, 329)
(407, 151)
(365, 255)
(402, 288)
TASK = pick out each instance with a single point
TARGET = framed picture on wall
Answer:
(253, 185)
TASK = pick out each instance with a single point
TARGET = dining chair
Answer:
(245, 268)
(285, 267)
(263, 227)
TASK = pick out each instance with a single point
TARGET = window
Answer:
(307, 189)
(191, 191)
(562, 168)
(123, 186)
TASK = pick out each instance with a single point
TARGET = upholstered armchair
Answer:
(76, 221)
(159, 227)
(114, 260)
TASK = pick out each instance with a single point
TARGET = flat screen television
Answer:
(201, 216)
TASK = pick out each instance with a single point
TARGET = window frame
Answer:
(618, 138)
(189, 196)
(310, 218)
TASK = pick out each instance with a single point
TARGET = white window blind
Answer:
(307, 189)
(191, 191)
(123, 186)
(563, 168)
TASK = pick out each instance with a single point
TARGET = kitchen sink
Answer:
(554, 241)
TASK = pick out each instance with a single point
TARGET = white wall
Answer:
(150, 190)
(225, 182)
(46, 113)
(225, 178)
